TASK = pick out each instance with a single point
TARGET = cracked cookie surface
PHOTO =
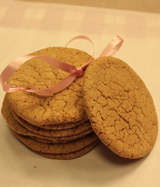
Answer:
(63, 107)
(120, 108)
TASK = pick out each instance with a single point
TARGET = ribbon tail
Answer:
(9, 88)
(112, 47)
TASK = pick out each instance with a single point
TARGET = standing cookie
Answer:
(120, 108)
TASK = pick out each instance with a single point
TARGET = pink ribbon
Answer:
(110, 50)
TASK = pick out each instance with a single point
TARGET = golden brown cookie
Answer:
(57, 140)
(120, 108)
(53, 133)
(63, 107)
(15, 126)
(18, 128)
(49, 127)
(73, 155)
(57, 148)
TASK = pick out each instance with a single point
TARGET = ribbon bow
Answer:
(110, 50)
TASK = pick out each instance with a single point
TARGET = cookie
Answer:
(63, 107)
(73, 155)
(57, 148)
(60, 138)
(49, 127)
(53, 133)
(15, 126)
(120, 108)
(63, 126)
(57, 140)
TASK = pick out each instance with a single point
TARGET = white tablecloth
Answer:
(26, 27)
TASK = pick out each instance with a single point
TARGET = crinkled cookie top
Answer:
(63, 107)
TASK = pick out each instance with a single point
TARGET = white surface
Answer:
(26, 27)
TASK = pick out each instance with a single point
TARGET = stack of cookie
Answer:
(111, 95)
(54, 126)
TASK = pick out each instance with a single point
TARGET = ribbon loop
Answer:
(110, 50)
